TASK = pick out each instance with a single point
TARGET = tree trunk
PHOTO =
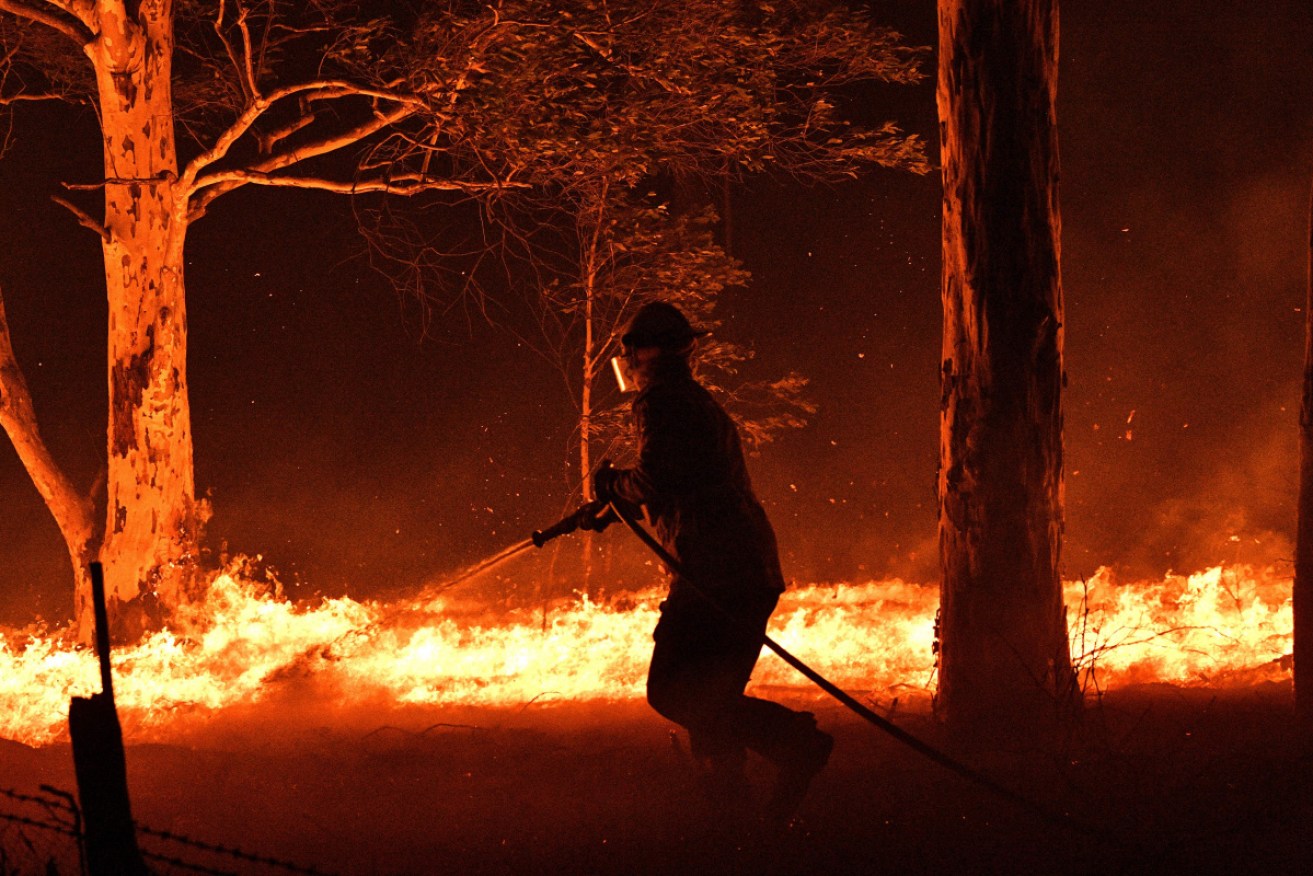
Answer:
(585, 472)
(1005, 667)
(72, 511)
(588, 376)
(153, 520)
(1303, 595)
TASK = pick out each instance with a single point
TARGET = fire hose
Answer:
(596, 516)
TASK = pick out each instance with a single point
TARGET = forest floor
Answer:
(1172, 781)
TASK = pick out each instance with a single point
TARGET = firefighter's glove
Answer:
(600, 516)
(604, 480)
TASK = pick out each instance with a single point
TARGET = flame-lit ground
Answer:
(439, 735)
(245, 645)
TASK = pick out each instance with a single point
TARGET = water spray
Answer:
(592, 516)
(486, 564)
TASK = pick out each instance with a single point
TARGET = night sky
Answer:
(360, 450)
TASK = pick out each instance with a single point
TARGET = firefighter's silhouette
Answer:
(693, 481)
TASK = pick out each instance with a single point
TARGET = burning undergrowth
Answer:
(246, 645)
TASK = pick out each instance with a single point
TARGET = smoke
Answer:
(1239, 509)
(1185, 344)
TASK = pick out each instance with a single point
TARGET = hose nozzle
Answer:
(590, 517)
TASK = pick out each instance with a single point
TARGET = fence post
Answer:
(98, 761)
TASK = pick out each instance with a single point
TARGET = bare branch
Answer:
(65, 23)
(72, 510)
(319, 89)
(120, 181)
(223, 182)
(272, 138)
(248, 85)
(83, 10)
(404, 184)
(248, 59)
(83, 218)
(9, 99)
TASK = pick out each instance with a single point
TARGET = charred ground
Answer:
(1175, 780)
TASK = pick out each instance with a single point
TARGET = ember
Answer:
(1224, 626)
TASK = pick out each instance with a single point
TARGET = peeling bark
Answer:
(1005, 667)
(153, 519)
(73, 511)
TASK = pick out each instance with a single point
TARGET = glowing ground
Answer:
(1181, 779)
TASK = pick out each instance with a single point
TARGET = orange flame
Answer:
(242, 645)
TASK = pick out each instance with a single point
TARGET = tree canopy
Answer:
(515, 103)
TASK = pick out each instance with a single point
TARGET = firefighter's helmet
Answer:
(659, 325)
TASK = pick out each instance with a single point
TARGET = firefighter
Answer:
(693, 481)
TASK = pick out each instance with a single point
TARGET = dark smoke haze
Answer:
(355, 454)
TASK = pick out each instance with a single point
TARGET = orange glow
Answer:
(1226, 625)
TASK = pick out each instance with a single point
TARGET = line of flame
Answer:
(242, 645)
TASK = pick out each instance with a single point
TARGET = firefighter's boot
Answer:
(806, 752)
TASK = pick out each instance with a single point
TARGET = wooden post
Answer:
(100, 765)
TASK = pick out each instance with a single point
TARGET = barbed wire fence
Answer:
(205, 857)
(41, 834)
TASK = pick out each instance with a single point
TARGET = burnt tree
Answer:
(1004, 657)
(1303, 595)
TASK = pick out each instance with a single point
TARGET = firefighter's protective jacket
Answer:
(692, 478)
